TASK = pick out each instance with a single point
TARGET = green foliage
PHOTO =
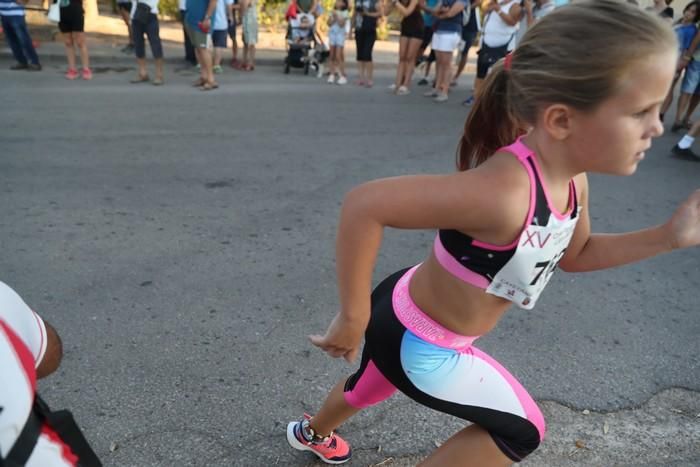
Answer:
(169, 8)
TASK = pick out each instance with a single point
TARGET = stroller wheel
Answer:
(286, 68)
(306, 68)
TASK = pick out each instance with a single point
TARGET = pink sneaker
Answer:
(71, 74)
(332, 450)
(87, 73)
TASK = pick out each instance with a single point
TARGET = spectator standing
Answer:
(249, 18)
(412, 30)
(338, 22)
(233, 12)
(144, 20)
(189, 50)
(17, 35)
(469, 33)
(531, 11)
(198, 22)
(220, 25)
(685, 29)
(365, 17)
(448, 32)
(497, 38)
(72, 26)
(662, 8)
(124, 9)
(428, 8)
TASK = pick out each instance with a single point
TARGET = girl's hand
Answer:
(342, 339)
(684, 225)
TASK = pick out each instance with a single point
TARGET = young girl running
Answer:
(516, 209)
(336, 39)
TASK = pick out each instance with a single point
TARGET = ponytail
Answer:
(490, 124)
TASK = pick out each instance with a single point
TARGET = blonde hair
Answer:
(576, 56)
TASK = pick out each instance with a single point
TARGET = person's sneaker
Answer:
(677, 126)
(331, 79)
(431, 93)
(19, 66)
(391, 87)
(685, 153)
(217, 69)
(402, 91)
(342, 80)
(441, 97)
(34, 67)
(422, 82)
(468, 101)
(71, 74)
(87, 74)
(331, 450)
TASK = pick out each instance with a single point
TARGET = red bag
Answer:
(291, 11)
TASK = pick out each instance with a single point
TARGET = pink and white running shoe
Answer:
(332, 449)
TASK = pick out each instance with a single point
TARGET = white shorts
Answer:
(446, 41)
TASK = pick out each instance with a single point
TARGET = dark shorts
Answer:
(364, 42)
(72, 18)
(124, 6)
(487, 57)
(412, 33)
(218, 38)
(468, 37)
(152, 31)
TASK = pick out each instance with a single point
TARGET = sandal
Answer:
(209, 86)
(157, 82)
(200, 82)
(140, 79)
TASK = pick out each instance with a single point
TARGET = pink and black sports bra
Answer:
(517, 272)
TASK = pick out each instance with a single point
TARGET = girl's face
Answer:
(690, 13)
(339, 4)
(613, 137)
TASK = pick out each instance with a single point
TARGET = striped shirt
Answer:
(11, 8)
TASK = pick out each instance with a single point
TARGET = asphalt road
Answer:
(182, 243)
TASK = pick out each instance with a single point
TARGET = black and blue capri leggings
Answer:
(406, 350)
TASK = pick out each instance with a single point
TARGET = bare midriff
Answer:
(458, 306)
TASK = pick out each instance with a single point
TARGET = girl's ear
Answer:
(557, 121)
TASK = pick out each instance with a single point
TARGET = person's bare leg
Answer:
(251, 55)
(141, 62)
(218, 55)
(82, 45)
(334, 411)
(332, 60)
(447, 72)
(477, 86)
(127, 20)
(159, 69)
(462, 64)
(70, 50)
(694, 101)
(682, 107)
(369, 71)
(340, 54)
(412, 53)
(470, 447)
(206, 64)
(403, 42)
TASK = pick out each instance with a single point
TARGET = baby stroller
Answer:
(301, 39)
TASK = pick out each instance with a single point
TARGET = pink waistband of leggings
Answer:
(420, 324)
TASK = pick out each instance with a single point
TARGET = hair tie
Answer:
(508, 62)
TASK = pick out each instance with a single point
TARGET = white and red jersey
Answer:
(22, 347)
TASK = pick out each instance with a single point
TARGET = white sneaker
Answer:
(403, 90)
(392, 87)
(331, 78)
(431, 93)
(440, 97)
(342, 80)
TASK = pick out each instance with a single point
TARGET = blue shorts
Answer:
(218, 37)
(691, 78)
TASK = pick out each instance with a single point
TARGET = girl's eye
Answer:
(642, 114)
